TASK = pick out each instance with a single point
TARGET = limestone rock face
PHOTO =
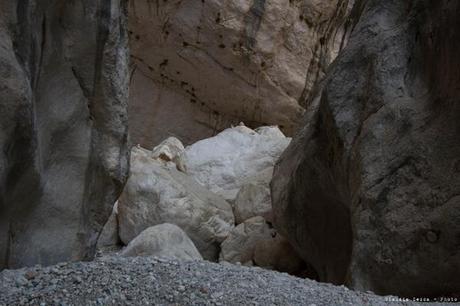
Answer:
(63, 128)
(207, 64)
(164, 240)
(158, 193)
(226, 162)
(374, 171)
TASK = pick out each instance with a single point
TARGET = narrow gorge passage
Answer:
(229, 152)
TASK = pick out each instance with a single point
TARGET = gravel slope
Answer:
(157, 281)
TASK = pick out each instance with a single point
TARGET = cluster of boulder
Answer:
(209, 201)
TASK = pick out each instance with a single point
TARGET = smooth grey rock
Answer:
(368, 191)
(163, 240)
(63, 141)
(158, 193)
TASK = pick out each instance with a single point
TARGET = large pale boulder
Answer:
(164, 240)
(225, 162)
(368, 191)
(158, 193)
(199, 66)
(63, 126)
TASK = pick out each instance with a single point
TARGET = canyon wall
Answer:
(368, 191)
(200, 66)
(64, 156)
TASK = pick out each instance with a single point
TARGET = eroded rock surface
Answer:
(170, 150)
(63, 128)
(374, 171)
(156, 193)
(203, 65)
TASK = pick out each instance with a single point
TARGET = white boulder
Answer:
(224, 163)
(157, 193)
(164, 240)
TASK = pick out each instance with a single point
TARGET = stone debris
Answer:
(160, 281)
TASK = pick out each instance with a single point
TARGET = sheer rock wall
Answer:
(368, 191)
(64, 155)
